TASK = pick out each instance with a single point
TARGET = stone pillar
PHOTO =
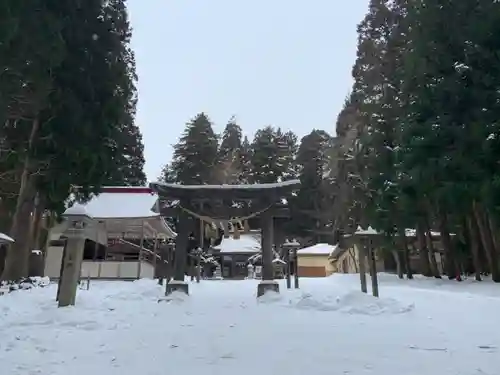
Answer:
(181, 244)
(267, 282)
(77, 221)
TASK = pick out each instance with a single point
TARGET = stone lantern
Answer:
(77, 222)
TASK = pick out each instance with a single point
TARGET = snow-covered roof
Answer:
(4, 238)
(123, 206)
(367, 231)
(272, 185)
(247, 243)
(76, 210)
(225, 191)
(121, 202)
(318, 249)
(293, 242)
(413, 233)
(408, 232)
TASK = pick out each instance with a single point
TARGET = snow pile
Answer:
(270, 297)
(24, 284)
(353, 303)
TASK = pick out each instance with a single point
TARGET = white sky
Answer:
(282, 62)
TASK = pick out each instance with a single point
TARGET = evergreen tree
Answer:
(423, 98)
(130, 158)
(69, 135)
(246, 166)
(312, 206)
(288, 146)
(231, 139)
(230, 156)
(272, 156)
(195, 155)
(168, 174)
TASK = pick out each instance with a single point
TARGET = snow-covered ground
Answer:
(417, 327)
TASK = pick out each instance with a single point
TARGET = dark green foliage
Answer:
(272, 157)
(311, 208)
(67, 103)
(230, 156)
(195, 155)
(425, 108)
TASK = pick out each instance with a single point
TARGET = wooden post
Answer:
(267, 282)
(267, 247)
(362, 266)
(198, 266)
(373, 269)
(139, 263)
(288, 268)
(202, 228)
(161, 272)
(169, 268)
(74, 256)
(296, 270)
(155, 256)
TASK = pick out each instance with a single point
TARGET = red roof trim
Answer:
(127, 189)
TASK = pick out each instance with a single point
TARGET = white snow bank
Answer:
(353, 303)
(28, 283)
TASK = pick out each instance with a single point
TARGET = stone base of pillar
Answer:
(267, 285)
(177, 286)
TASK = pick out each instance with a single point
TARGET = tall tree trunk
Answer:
(430, 244)
(432, 257)
(406, 253)
(37, 267)
(18, 253)
(36, 224)
(432, 251)
(474, 243)
(450, 264)
(423, 251)
(399, 268)
(487, 241)
(17, 261)
(493, 230)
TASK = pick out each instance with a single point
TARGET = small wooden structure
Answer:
(125, 237)
(314, 261)
(215, 204)
(366, 240)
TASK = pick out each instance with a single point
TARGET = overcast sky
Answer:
(268, 62)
